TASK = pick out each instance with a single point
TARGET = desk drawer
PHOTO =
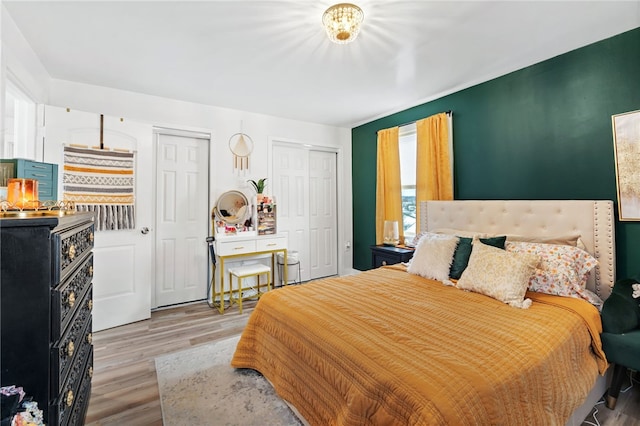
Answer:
(264, 244)
(229, 248)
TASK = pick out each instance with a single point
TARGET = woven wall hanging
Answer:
(241, 145)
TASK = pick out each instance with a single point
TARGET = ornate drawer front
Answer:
(81, 402)
(68, 296)
(72, 247)
(74, 392)
(74, 345)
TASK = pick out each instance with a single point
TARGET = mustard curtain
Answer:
(388, 186)
(434, 177)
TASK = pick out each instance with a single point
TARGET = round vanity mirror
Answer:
(232, 208)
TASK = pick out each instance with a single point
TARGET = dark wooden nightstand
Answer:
(389, 255)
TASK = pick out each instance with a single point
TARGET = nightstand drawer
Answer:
(389, 255)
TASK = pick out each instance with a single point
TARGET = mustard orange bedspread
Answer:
(387, 347)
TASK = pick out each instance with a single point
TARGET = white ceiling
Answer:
(273, 57)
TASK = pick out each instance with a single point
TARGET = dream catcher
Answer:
(241, 145)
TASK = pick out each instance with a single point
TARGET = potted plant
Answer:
(258, 186)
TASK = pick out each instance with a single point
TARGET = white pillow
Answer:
(499, 274)
(433, 256)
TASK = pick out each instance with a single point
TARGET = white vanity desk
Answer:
(246, 244)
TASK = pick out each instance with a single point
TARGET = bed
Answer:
(390, 347)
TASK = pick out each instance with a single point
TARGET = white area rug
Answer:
(198, 386)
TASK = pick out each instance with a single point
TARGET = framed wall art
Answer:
(626, 144)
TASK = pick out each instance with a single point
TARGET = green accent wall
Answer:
(542, 132)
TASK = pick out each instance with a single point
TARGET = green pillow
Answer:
(463, 251)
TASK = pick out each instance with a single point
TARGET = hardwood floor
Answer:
(627, 412)
(125, 387)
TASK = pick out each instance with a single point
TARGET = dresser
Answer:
(46, 287)
(45, 173)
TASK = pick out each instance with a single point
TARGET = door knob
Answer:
(145, 230)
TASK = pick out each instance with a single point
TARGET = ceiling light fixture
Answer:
(342, 22)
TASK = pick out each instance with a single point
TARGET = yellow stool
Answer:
(246, 271)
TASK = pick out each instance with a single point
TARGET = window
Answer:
(407, 145)
(20, 124)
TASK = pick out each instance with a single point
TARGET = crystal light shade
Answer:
(342, 22)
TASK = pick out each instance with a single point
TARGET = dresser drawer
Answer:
(72, 247)
(228, 248)
(81, 401)
(72, 346)
(45, 190)
(67, 297)
(74, 391)
(39, 171)
(264, 244)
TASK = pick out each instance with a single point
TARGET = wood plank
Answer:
(125, 385)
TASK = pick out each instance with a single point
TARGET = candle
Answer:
(23, 193)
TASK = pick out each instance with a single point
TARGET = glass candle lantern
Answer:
(391, 236)
(23, 193)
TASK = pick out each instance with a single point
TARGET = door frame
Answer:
(341, 241)
(163, 130)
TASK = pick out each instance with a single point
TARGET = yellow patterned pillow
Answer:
(499, 274)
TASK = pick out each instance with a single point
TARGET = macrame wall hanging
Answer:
(241, 146)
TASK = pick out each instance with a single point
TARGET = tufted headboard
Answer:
(593, 220)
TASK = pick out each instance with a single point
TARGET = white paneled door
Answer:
(305, 188)
(182, 217)
(123, 258)
(323, 223)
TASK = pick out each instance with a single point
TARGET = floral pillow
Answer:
(563, 269)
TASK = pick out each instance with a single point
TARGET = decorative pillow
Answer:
(461, 233)
(463, 251)
(449, 231)
(433, 255)
(563, 269)
(416, 239)
(499, 274)
(567, 240)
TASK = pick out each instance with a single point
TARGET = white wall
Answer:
(20, 63)
(221, 123)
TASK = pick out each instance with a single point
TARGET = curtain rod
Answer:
(413, 121)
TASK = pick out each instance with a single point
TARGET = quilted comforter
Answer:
(388, 347)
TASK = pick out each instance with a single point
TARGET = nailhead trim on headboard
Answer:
(593, 220)
(604, 247)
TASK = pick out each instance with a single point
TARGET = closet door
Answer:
(304, 184)
(290, 182)
(323, 222)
